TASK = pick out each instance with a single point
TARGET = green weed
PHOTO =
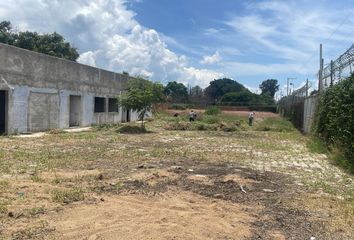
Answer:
(316, 145)
(68, 195)
(275, 124)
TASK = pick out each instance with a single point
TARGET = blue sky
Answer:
(196, 41)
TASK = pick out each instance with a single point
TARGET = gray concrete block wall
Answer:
(41, 85)
(310, 106)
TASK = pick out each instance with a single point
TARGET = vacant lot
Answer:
(217, 179)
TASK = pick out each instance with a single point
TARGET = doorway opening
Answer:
(3, 112)
(75, 111)
(128, 115)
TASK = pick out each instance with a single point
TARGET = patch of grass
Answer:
(3, 208)
(338, 158)
(178, 125)
(220, 122)
(132, 130)
(56, 131)
(36, 211)
(3, 185)
(321, 185)
(68, 195)
(101, 127)
(210, 119)
(275, 124)
(316, 145)
(36, 178)
(201, 127)
(212, 110)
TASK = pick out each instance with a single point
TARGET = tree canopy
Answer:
(196, 94)
(220, 87)
(269, 86)
(141, 95)
(176, 92)
(51, 44)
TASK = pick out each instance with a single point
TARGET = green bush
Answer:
(335, 118)
(212, 110)
(131, 129)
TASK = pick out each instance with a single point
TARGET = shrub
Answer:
(212, 110)
(131, 129)
(335, 118)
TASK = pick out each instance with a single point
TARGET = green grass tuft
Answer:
(68, 196)
(316, 145)
(275, 124)
(132, 130)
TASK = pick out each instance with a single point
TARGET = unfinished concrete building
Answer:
(40, 92)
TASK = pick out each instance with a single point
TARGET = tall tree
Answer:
(269, 86)
(141, 95)
(5, 32)
(176, 92)
(52, 44)
(196, 94)
(220, 87)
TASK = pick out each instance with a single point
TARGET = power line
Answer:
(331, 35)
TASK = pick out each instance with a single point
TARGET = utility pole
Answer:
(307, 87)
(287, 87)
(320, 71)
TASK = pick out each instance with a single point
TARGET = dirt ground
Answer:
(164, 184)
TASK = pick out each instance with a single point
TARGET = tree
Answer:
(196, 94)
(51, 44)
(5, 32)
(176, 92)
(220, 87)
(141, 95)
(269, 86)
(242, 98)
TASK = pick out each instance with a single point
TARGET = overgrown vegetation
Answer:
(212, 110)
(213, 121)
(275, 124)
(316, 145)
(131, 129)
(335, 121)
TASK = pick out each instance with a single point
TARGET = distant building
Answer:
(40, 92)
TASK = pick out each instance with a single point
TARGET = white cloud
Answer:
(292, 31)
(201, 77)
(215, 58)
(89, 58)
(108, 36)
